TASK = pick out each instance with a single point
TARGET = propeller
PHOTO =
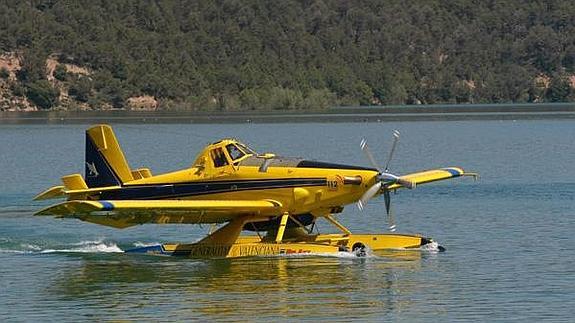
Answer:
(395, 141)
(390, 219)
(383, 180)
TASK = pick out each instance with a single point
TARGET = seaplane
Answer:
(237, 190)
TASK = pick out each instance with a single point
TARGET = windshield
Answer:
(247, 149)
(234, 152)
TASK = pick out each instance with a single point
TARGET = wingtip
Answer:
(454, 171)
(474, 175)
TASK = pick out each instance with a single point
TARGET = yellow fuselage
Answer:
(299, 190)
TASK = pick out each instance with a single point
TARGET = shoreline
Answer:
(336, 114)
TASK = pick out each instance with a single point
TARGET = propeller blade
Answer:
(387, 177)
(396, 179)
(387, 199)
(367, 152)
(406, 182)
(395, 141)
(391, 223)
(390, 220)
(370, 193)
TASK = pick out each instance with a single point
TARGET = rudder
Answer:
(105, 162)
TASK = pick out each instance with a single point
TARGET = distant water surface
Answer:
(509, 236)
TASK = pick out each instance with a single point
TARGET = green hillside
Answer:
(250, 54)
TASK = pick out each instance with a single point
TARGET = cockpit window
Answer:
(234, 152)
(247, 149)
(218, 157)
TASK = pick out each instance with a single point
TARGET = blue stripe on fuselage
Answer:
(160, 191)
(318, 164)
(106, 206)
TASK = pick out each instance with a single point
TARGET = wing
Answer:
(126, 213)
(432, 176)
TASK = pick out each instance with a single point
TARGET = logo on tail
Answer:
(92, 169)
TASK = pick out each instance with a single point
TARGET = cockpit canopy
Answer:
(229, 151)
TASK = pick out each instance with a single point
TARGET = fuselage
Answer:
(225, 170)
(301, 186)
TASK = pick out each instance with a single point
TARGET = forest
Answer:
(233, 55)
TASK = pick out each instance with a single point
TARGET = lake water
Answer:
(509, 237)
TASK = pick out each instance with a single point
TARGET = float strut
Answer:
(300, 224)
(337, 224)
(282, 227)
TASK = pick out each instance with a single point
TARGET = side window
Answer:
(218, 157)
(234, 152)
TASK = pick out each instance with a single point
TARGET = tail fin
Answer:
(105, 162)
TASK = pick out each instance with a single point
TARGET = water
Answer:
(509, 237)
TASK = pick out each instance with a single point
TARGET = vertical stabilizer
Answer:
(105, 163)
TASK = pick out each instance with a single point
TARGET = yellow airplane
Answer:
(229, 183)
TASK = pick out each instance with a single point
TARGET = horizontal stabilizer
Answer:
(126, 213)
(51, 193)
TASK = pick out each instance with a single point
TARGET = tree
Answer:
(81, 89)
(43, 94)
(60, 72)
(241, 52)
(4, 73)
(33, 66)
(560, 89)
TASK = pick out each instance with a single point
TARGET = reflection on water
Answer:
(289, 287)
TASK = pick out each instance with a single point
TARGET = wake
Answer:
(96, 246)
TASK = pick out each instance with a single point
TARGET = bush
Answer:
(250, 99)
(33, 65)
(96, 101)
(284, 99)
(81, 89)
(559, 89)
(363, 93)
(117, 97)
(4, 73)
(318, 99)
(279, 98)
(61, 73)
(18, 89)
(42, 94)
